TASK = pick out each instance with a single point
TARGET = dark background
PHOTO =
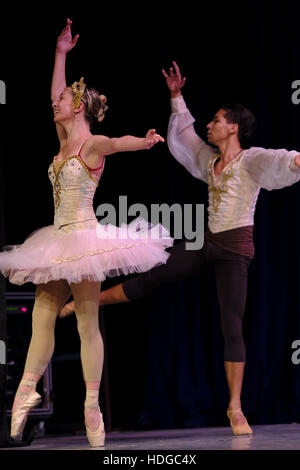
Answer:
(164, 353)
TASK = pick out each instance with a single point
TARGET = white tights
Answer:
(50, 298)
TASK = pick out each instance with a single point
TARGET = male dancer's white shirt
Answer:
(232, 195)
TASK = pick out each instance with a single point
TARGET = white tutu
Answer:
(76, 246)
(94, 253)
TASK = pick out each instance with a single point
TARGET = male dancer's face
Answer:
(219, 130)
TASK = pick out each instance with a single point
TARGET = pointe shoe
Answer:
(96, 438)
(19, 416)
(238, 429)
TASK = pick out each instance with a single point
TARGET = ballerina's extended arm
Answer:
(64, 44)
(107, 146)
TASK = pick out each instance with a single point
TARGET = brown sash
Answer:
(238, 240)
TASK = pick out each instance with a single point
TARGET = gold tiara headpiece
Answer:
(78, 91)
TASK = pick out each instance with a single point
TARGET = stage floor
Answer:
(266, 437)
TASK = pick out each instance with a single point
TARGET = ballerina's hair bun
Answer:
(103, 108)
(94, 105)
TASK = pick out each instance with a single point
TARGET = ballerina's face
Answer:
(63, 107)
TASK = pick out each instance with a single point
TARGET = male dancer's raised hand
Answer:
(174, 81)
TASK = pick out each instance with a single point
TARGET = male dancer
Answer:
(234, 177)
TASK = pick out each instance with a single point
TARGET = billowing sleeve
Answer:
(183, 142)
(272, 169)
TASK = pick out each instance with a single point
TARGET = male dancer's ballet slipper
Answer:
(238, 429)
(96, 438)
(67, 310)
(19, 416)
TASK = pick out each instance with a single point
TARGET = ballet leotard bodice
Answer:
(77, 247)
(74, 185)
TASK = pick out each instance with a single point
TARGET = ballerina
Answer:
(76, 253)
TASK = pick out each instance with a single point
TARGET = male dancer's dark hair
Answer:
(236, 113)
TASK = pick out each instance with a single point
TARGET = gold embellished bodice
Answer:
(74, 187)
(232, 195)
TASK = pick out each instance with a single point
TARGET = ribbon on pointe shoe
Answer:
(19, 416)
(95, 438)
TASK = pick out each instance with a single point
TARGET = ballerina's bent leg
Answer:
(49, 300)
